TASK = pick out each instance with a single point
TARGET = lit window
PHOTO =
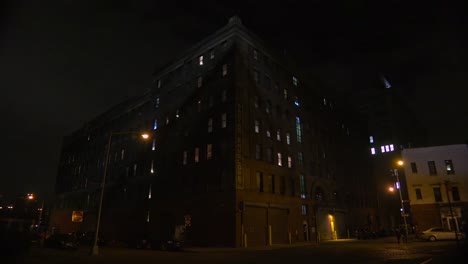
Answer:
(184, 159)
(392, 148)
(200, 60)
(155, 124)
(372, 150)
(257, 126)
(152, 166)
(177, 115)
(288, 138)
(382, 148)
(210, 125)
(280, 159)
(449, 167)
(212, 54)
(324, 101)
(122, 154)
(156, 104)
(149, 192)
(200, 81)
(278, 134)
(289, 162)
(298, 129)
(294, 81)
(296, 101)
(371, 139)
(268, 133)
(197, 153)
(255, 55)
(387, 148)
(223, 120)
(153, 147)
(167, 120)
(225, 70)
(209, 151)
(303, 186)
(285, 93)
(148, 216)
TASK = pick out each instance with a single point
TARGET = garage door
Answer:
(255, 226)
(279, 226)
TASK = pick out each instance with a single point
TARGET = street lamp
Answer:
(398, 186)
(95, 248)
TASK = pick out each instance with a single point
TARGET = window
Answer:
(177, 113)
(255, 54)
(280, 159)
(267, 82)
(285, 93)
(152, 167)
(298, 129)
(210, 101)
(167, 120)
(387, 148)
(209, 151)
(268, 133)
(296, 101)
(294, 81)
(210, 125)
(200, 60)
(259, 181)
(288, 138)
(257, 126)
(184, 158)
(449, 167)
(153, 147)
(282, 185)
(437, 194)
(382, 148)
(432, 168)
(300, 158)
(418, 194)
(414, 168)
(272, 183)
(156, 104)
(292, 186)
(200, 81)
(258, 151)
(159, 84)
(225, 70)
(371, 139)
(197, 153)
(147, 216)
(256, 102)
(135, 169)
(304, 209)
(303, 186)
(155, 124)
(324, 101)
(289, 162)
(278, 134)
(256, 76)
(268, 107)
(224, 95)
(269, 155)
(224, 120)
(122, 154)
(199, 103)
(212, 54)
(372, 150)
(392, 148)
(455, 194)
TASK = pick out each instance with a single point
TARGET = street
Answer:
(382, 250)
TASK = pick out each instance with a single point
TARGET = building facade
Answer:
(242, 152)
(437, 180)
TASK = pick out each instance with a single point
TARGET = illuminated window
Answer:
(289, 162)
(288, 138)
(223, 120)
(149, 192)
(199, 103)
(257, 126)
(280, 159)
(387, 148)
(153, 147)
(268, 133)
(184, 159)
(177, 114)
(155, 124)
(298, 129)
(135, 169)
(200, 81)
(200, 60)
(147, 216)
(156, 104)
(449, 167)
(296, 101)
(152, 166)
(210, 125)
(371, 139)
(372, 150)
(197, 153)
(209, 151)
(324, 101)
(382, 148)
(278, 134)
(225, 70)
(294, 81)
(285, 93)
(392, 148)
(167, 120)
(303, 186)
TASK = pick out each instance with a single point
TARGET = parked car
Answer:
(439, 233)
(62, 241)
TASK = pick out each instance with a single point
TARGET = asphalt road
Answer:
(382, 250)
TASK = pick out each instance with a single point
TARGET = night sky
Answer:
(65, 62)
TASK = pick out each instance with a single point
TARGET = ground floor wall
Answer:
(439, 215)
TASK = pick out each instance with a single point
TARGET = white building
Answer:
(437, 184)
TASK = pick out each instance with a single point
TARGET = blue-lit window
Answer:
(303, 186)
(387, 148)
(155, 124)
(296, 101)
(371, 139)
(298, 129)
(382, 148)
(392, 148)
(372, 151)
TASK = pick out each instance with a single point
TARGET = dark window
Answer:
(282, 185)
(414, 169)
(432, 168)
(260, 181)
(258, 151)
(269, 155)
(418, 194)
(293, 187)
(455, 194)
(437, 194)
(272, 183)
(267, 82)
(449, 167)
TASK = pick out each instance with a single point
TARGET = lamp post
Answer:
(398, 186)
(95, 248)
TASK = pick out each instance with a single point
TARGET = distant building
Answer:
(437, 180)
(242, 152)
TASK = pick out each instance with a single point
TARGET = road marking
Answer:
(426, 261)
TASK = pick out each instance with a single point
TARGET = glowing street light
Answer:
(30, 196)
(95, 248)
(402, 209)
